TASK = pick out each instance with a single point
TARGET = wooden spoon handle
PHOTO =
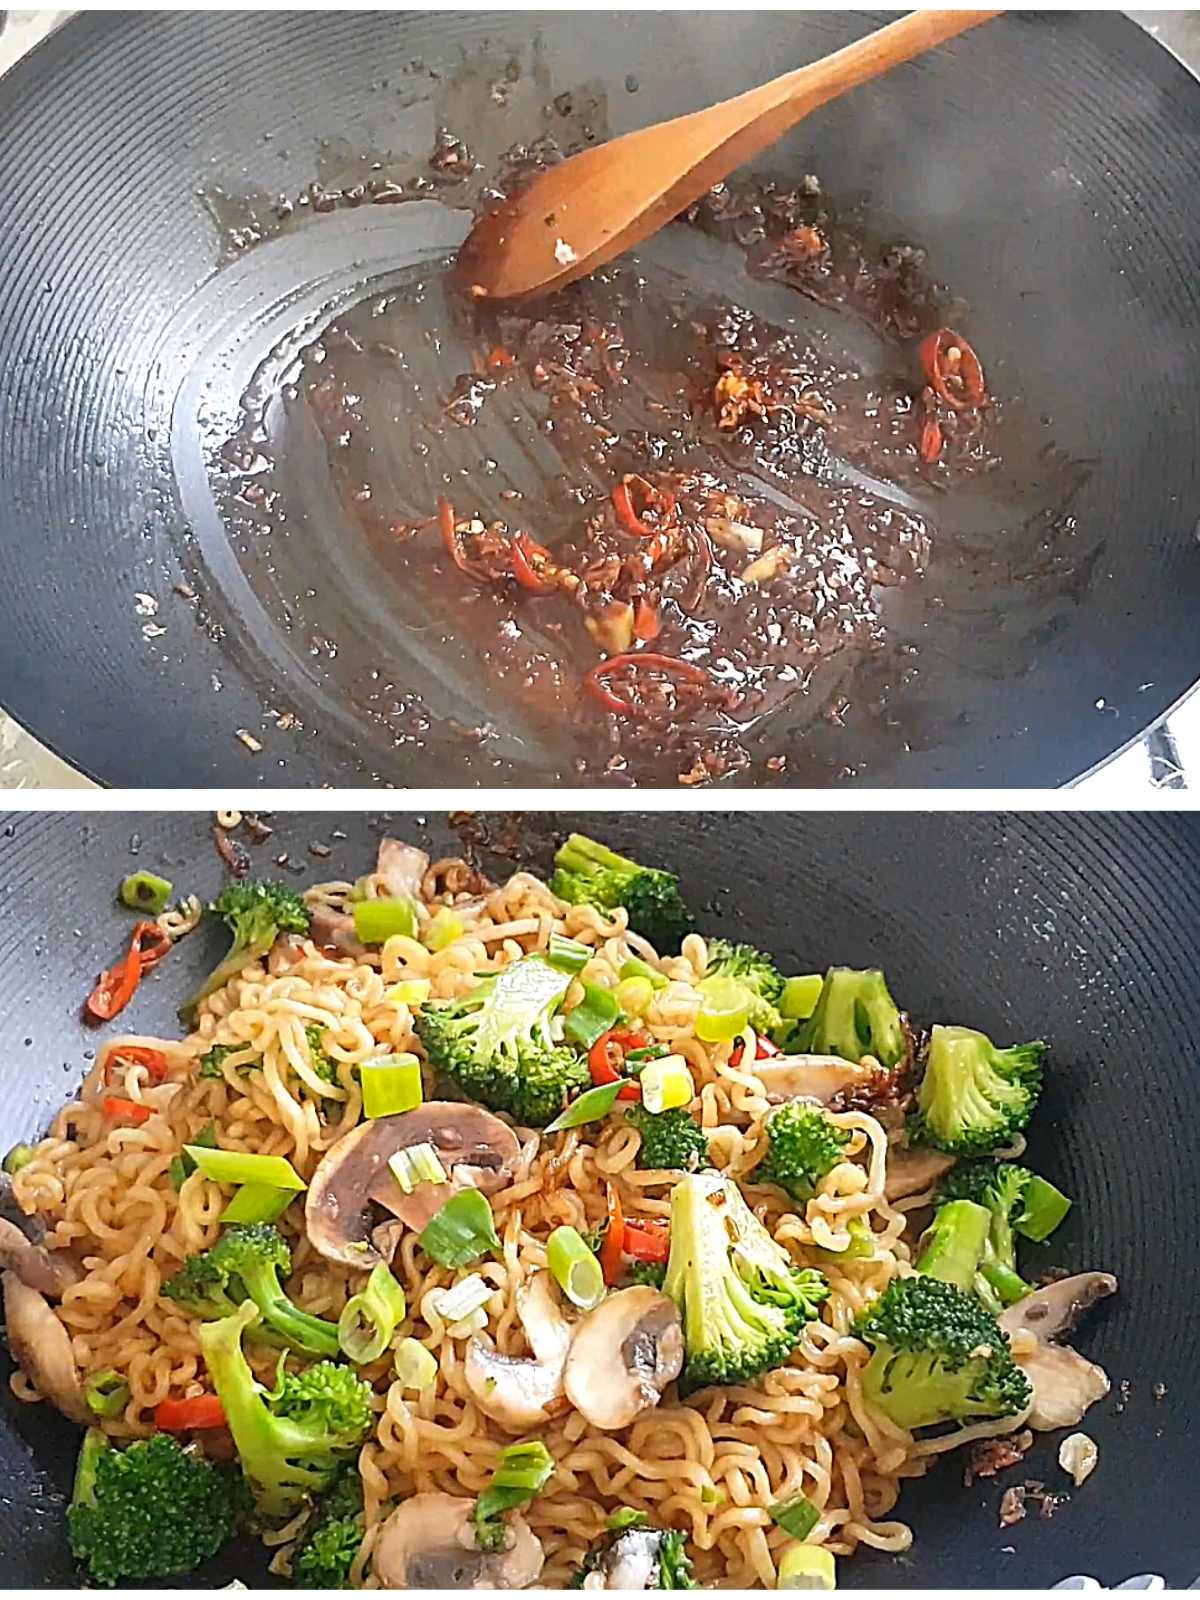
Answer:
(909, 36)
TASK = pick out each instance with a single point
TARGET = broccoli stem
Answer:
(95, 1444)
(240, 955)
(955, 1243)
(584, 855)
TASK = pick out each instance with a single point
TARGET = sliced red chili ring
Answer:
(630, 515)
(137, 1055)
(640, 660)
(647, 623)
(952, 369)
(605, 1070)
(527, 558)
(931, 440)
(648, 1240)
(612, 1251)
(197, 1411)
(117, 1108)
(762, 1049)
(116, 987)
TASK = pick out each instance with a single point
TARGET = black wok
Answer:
(1048, 162)
(1082, 929)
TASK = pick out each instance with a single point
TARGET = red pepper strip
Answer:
(931, 441)
(960, 387)
(500, 357)
(181, 1416)
(526, 553)
(612, 1251)
(151, 944)
(648, 1240)
(115, 1108)
(115, 988)
(762, 1049)
(595, 685)
(137, 1055)
(600, 1061)
(661, 501)
(647, 624)
(450, 534)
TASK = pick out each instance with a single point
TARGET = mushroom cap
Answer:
(354, 1172)
(400, 867)
(519, 1391)
(913, 1171)
(41, 1347)
(331, 929)
(50, 1272)
(428, 1542)
(623, 1356)
(1064, 1383)
(1053, 1310)
(808, 1077)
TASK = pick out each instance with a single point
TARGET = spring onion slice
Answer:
(376, 921)
(666, 1084)
(463, 1230)
(568, 955)
(106, 1393)
(520, 1473)
(416, 1367)
(19, 1156)
(635, 967)
(594, 1015)
(800, 996)
(469, 1294)
(409, 992)
(445, 928)
(239, 1166)
(626, 1517)
(591, 1106)
(390, 1085)
(369, 1319)
(798, 1517)
(182, 1166)
(576, 1269)
(634, 996)
(416, 1164)
(258, 1202)
(724, 1008)
(807, 1566)
(1042, 1210)
(146, 891)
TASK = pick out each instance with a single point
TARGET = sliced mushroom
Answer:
(623, 1355)
(913, 1171)
(41, 1347)
(629, 1560)
(50, 1272)
(1053, 1310)
(400, 867)
(476, 1149)
(1064, 1383)
(809, 1077)
(519, 1392)
(334, 930)
(429, 1542)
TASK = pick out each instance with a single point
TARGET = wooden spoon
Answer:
(595, 205)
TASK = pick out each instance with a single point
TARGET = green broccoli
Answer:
(804, 1144)
(256, 914)
(937, 1356)
(671, 1140)
(152, 1510)
(292, 1439)
(649, 1272)
(587, 873)
(953, 1246)
(213, 1061)
(329, 1543)
(756, 973)
(319, 1058)
(248, 1261)
(634, 1556)
(855, 1017)
(1018, 1201)
(975, 1098)
(743, 1301)
(496, 1044)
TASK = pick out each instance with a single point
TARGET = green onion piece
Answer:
(182, 1166)
(634, 996)
(591, 1106)
(409, 992)
(576, 1270)
(445, 928)
(807, 1566)
(369, 1319)
(635, 967)
(666, 1084)
(710, 1495)
(416, 1367)
(1044, 1208)
(568, 954)
(258, 1202)
(457, 1302)
(106, 1393)
(19, 1156)
(146, 891)
(376, 921)
(463, 1230)
(724, 1008)
(1009, 1286)
(798, 1517)
(626, 1517)
(860, 1248)
(594, 1015)
(239, 1166)
(800, 996)
(390, 1085)
(416, 1164)
(521, 1471)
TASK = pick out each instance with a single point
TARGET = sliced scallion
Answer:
(106, 1393)
(182, 1166)
(666, 1084)
(594, 1015)
(1043, 1208)
(807, 1566)
(19, 1156)
(409, 992)
(521, 1471)
(635, 967)
(592, 1106)
(416, 1367)
(724, 1008)
(457, 1302)
(800, 995)
(390, 1085)
(626, 1517)
(146, 891)
(444, 929)
(416, 1164)
(376, 921)
(575, 1268)
(568, 954)
(463, 1231)
(239, 1166)
(798, 1517)
(258, 1202)
(369, 1319)
(634, 996)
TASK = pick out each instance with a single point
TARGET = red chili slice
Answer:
(117, 1109)
(647, 623)
(633, 497)
(612, 1251)
(137, 1055)
(931, 440)
(604, 1069)
(762, 1049)
(499, 358)
(952, 369)
(196, 1412)
(596, 683)
(449, 532)
(148, 944)
(648, 1240)
(527, 559)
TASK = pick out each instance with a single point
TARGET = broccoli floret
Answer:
(743, 1301)
(152, 1510)
(256, 914)
(975, 1098)
(292, 1439)
(652, 1273)
(671, 1140)
(638, 1557)
(937, 1356)
(495, 1044)
(248, 1261)
(803, 1146)
(756, 973)
(319, 1058)
(213, 1061)
(953, 1246)
(1018, 1201)
(588, 873)
(855, 1017)
(326, 1549)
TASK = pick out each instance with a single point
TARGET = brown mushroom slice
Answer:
(1053, 1310)
(331, 929)
(41, 1347)
(806, 1077)
(548, 1327)
(429, 1542)
(353, 1175)
(521, 1392)
(913, 1171)
(623, 1355)
(400, 867)
(1064, 1383)
(50, 1272)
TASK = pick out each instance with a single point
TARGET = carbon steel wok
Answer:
(1046, 161)
(1081, 929)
